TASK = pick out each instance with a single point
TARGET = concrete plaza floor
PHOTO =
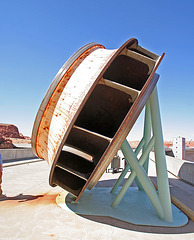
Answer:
(29, 211)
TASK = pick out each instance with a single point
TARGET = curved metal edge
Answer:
(51, 89)
(128, 43)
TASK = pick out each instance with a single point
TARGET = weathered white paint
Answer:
(65, 102)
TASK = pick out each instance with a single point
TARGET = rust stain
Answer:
(29, 200)
(55, 97)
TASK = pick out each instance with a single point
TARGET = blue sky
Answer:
(37, 37)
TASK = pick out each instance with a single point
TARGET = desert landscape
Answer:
(10, 137)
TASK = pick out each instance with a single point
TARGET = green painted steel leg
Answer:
(146, 137)
(127, 167)
(137, 150)
(130, 179)
(142, 176)
(120, 179)
(139, 147)
(162, 176)
(147, 132)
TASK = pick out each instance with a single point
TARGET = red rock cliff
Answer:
(9, 131)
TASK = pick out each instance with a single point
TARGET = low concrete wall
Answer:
(17, 153)
(189, 154)
(181, 168)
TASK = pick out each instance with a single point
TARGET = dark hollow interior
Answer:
(104, 111)
(88, 143)
(68, 181)
(75, 162)
(128, 71)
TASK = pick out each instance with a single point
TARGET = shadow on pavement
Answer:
(188, 228)
(20, 197)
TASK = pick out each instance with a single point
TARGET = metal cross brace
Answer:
(139, 167)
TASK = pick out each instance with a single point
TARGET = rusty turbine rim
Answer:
(128, 43)
(52, 88)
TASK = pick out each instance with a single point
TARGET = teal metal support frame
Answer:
(127, 168)
(162, 175)
(139, 167)
(146, 137)
(147, 132)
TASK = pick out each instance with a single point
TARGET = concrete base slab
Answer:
(135, 207)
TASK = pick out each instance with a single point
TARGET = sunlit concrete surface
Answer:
(29, 211)
(17, 153)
